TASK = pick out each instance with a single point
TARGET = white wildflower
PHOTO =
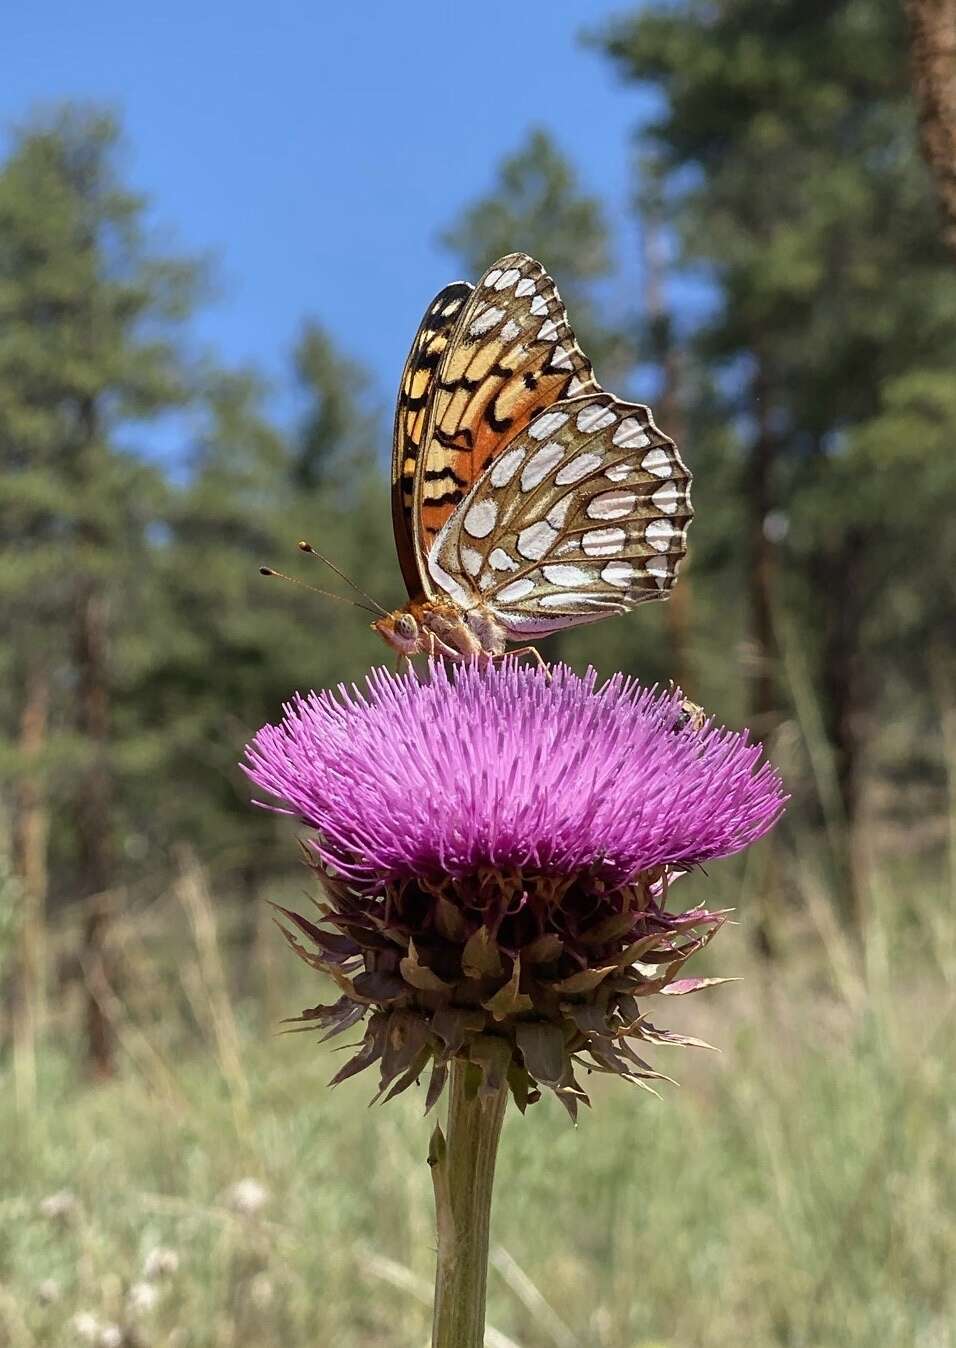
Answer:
(247, 1196)
(160, 1262)
(85, 1326)
(261, 1291)
(142, 1298)
(58, 1206)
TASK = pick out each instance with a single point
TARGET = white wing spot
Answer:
(575, 387)
(595, 418)
(619, 472)
(618, 573)
(485, 321)
(558, 574)
(507, 279)
(446, 582)
(659, 534)
(611, 505)
(471, 561)
(658, 462)
(631, 434)
(525, 286)
(499, 560)
(535, 541)
(559, 512)
(603, 542)
(481, 518)
(510, 330)
(547, 330)
(578, 468)
(668, 498)
(516, 590)
(540, 465)
(505, 466)
(539, 305)
(546, 424)
(561, 360)
(570, 600)
(657, 567)
(492, 276)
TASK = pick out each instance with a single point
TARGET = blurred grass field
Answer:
(798, 1188)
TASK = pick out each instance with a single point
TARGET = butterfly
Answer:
(525, 498)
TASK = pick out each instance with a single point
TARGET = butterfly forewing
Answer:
(511, 355)
(583, 515)
(411, 416)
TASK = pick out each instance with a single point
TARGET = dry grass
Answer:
(798, 1189)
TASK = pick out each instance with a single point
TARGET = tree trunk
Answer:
(94, 817)
(932, 30)
(30, 832)
(670, 418)
(762, 662)
(844, 584)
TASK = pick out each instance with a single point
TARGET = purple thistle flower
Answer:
(496, 847)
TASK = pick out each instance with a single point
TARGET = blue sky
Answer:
(317, 150)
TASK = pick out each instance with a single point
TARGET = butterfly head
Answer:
(401, 630)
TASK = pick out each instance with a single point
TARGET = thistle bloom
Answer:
(496, 849)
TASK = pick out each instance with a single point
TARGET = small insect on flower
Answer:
(496, 848)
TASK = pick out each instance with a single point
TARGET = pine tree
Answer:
(788, 139)
(234, 644)
(86, 355)
(335, 438)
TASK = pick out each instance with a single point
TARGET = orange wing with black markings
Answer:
(411, 417)
(510, 355)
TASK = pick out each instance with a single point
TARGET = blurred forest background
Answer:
(803, 1187)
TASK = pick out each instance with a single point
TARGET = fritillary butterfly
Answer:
(525, 499)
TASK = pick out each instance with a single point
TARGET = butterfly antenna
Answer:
(328, 594)
(313, 552)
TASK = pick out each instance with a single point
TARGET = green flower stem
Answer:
(463, 1173)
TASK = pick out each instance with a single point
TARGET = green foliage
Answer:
(88, 348)
(227, 645)
(787, 150)
(337, 437)
(196, 648)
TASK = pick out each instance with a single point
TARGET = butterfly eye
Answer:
(406, 626)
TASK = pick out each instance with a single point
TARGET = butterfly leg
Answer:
(527, 650)
(438, 647)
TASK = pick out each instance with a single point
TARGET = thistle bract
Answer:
(496, 849)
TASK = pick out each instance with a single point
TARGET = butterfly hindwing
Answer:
(512, 354)
(411, 416)
(582, 516)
